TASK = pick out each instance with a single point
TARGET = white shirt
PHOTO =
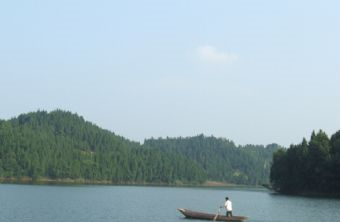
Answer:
(228, 205)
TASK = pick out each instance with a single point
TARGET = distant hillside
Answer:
(221, 159)
(60, 145)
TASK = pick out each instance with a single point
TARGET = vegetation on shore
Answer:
(61, 146)
(309, 168)
(81, 181)
(220, 158)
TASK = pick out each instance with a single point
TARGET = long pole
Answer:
(217, 214)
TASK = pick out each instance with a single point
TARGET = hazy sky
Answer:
(251, 71)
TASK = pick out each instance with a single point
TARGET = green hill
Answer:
(60, 145)
(221, 159)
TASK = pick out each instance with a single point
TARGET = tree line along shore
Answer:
(62, 146)
(309, 168)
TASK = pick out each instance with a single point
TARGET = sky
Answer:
(255, 72)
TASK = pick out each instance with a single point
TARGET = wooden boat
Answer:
(206, 216)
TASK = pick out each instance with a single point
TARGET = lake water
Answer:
(38, 203)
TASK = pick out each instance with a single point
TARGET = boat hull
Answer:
(206, 216)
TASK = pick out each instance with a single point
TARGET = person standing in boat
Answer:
(228, 206)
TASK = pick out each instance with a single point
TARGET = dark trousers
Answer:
(229, 213)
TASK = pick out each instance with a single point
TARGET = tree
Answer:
(308, 167)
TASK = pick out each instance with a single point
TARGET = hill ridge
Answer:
(63, 145)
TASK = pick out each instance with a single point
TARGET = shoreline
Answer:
(81, 181)
(311, 195)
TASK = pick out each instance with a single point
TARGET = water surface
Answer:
(40, 203)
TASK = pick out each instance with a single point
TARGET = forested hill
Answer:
(59, 145)
(221, 159)
(309, 168)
